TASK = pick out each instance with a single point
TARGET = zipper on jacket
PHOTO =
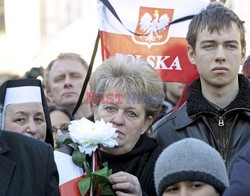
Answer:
(221, 121)
(221, 150)
(230, 136)
(216, 142)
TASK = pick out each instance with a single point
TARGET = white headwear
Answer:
(22, 94)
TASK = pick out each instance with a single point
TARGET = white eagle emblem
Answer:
(152, 26)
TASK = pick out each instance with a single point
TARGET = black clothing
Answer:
(34, 83)
(27, 166)
(239, 183)
(139, 161)
(227, 129)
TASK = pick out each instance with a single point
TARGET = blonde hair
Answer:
(61, 56)
(126, 74)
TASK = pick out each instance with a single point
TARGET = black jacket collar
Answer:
(3, 146)
(196, 103)
(7, 166)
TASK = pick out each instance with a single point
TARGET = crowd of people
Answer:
(199, 148)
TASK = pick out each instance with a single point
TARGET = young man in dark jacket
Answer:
(217, 109)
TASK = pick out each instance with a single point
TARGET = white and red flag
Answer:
(70, 174)
(143, 28)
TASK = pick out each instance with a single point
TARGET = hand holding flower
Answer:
(123, 182)
(85, 137)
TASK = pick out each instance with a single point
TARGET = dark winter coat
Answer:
(240, 178)
(27, 166)
(139, 161)
(199, 119)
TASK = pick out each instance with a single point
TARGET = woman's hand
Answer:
(125, 184)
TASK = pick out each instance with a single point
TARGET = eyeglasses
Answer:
(64, 128)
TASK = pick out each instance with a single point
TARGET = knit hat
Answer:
(190, 160)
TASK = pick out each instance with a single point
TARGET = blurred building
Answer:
(27, 27)
(33, 32)
(7, 76)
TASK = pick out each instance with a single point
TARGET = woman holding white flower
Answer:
(128, 93)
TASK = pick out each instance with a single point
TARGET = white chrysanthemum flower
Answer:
(88, 134)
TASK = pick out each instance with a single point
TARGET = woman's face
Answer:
(59, 122)
(128, 119)
(27, 119)
(190, 188)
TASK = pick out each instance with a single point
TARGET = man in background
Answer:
(246, 68)
(64, 79)
(173, 92)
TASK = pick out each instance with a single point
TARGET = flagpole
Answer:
(88, 75)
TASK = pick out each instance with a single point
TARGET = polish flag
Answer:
(69, 173)
(143, 32)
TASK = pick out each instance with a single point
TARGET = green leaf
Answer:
(101, 172)
(106, 189)
(109, 172)
(101, 176)
(63, 139)
(73, 145)
(83, 185)
(105, 164)
(78, 157)
(87, 168)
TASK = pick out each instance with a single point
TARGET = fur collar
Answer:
(196, 103)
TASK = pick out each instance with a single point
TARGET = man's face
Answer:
(218, 56)
(66, 80)
(174, 90)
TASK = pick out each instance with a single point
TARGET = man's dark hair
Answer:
(214, 18)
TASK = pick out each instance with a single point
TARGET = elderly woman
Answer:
(25, 109)
(128, 93)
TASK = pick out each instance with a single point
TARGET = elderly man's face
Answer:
(27, 119)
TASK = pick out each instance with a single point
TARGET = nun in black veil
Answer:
(25, 109)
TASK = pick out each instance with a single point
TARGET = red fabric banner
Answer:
(163, 46)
